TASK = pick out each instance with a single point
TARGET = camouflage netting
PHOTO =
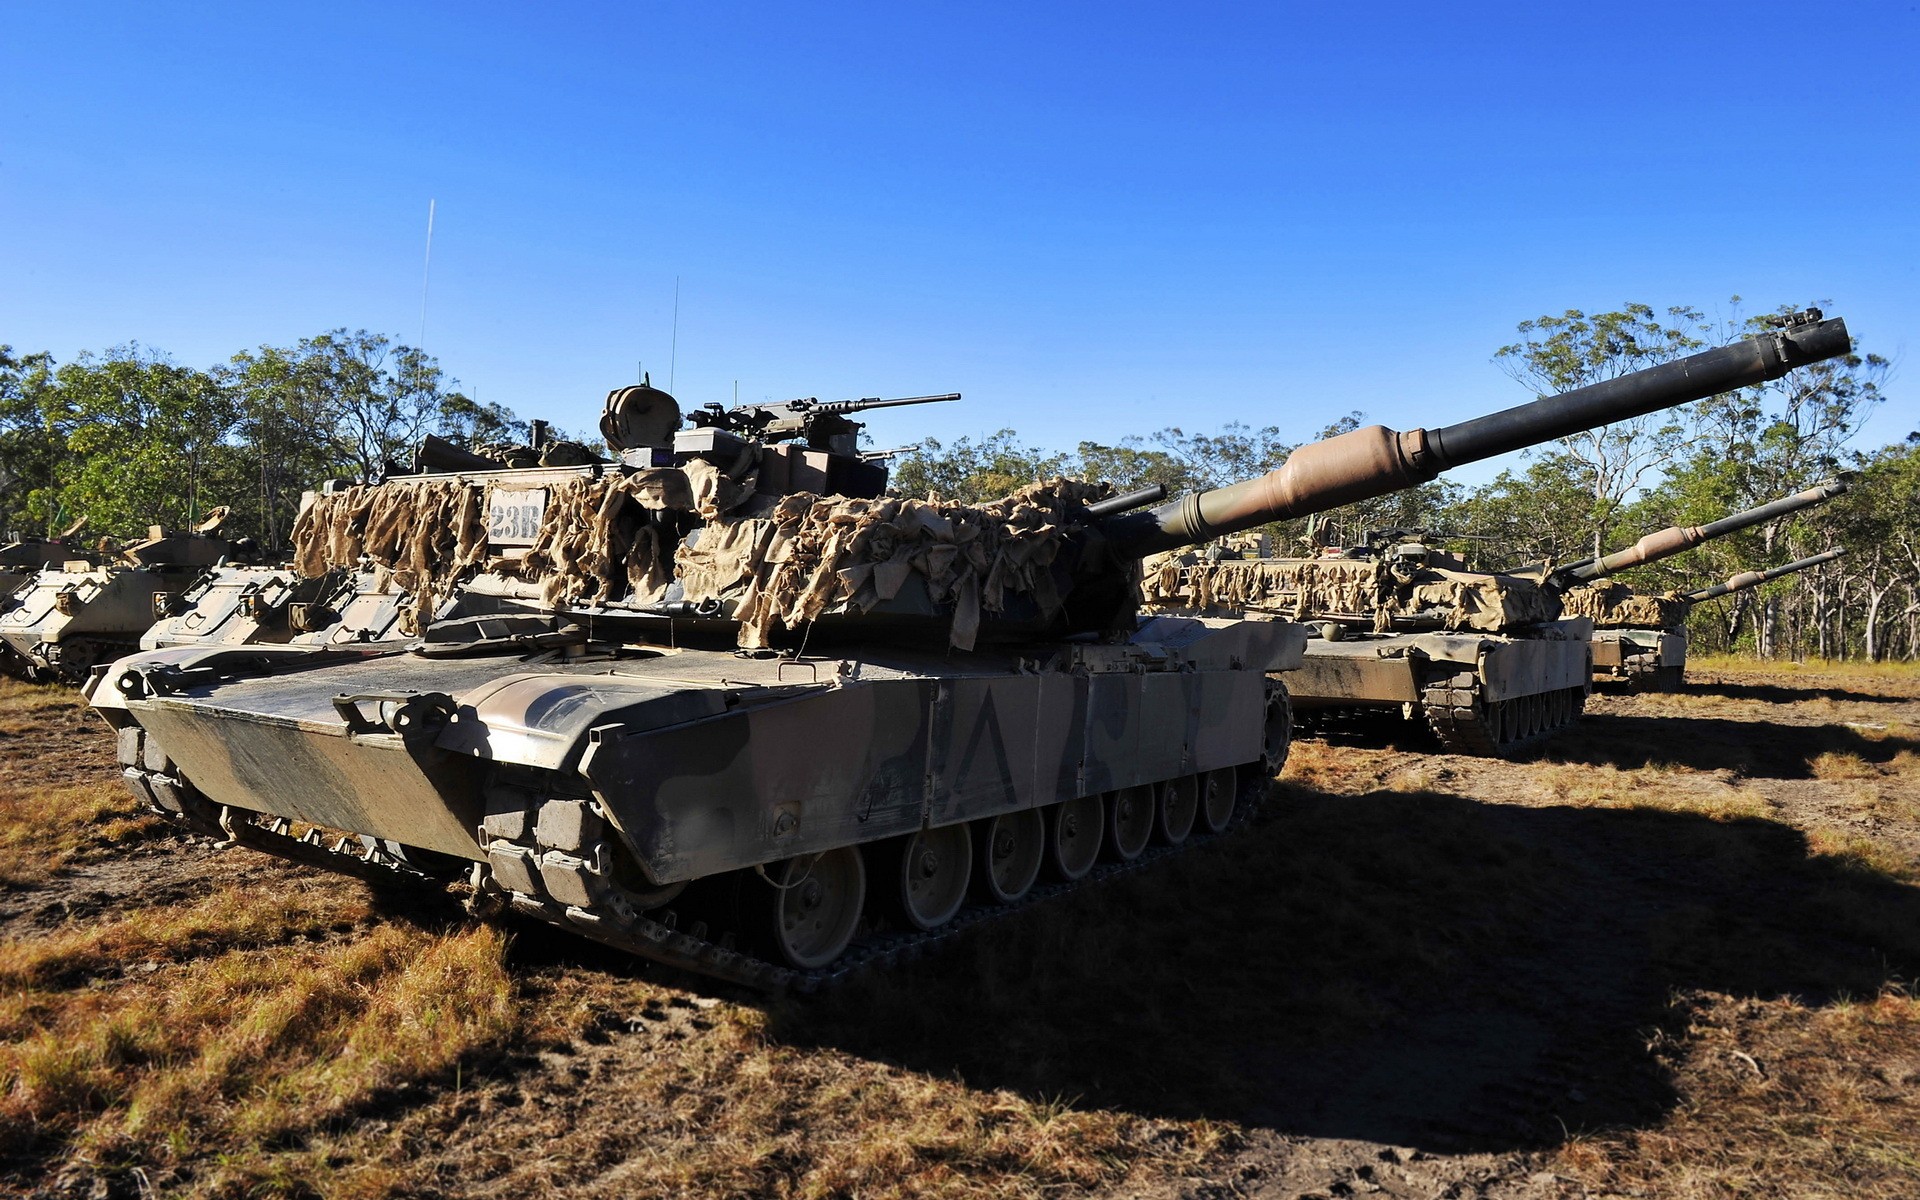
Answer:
(1617, 606)
(613, 539)
(813, 552)
(429, 534)
(1305, 589)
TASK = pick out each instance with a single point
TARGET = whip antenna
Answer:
(426, 274)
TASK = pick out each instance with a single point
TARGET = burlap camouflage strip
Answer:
(1303, 589)
(609, 540)
(812, 553)
(1616, 606)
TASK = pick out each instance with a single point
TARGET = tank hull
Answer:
(1647, 659)
(1481, 693)
(696, 765)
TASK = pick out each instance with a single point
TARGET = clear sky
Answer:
(1092, 219)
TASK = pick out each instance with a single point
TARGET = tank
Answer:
(736, 710)
(68, 618)
(1639, 638)
(1398, 627)
(1488, 661)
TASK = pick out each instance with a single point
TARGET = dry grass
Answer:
(1660, 788)
(276, 1033)
(43, 829)
(1836, 764)
(254, 1046)
(1903, 677)
(1777, 1099)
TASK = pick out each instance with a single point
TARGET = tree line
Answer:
(129, 438)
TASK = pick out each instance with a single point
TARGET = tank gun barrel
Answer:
(1671, 541)
(1376, 460)
(1753, 579)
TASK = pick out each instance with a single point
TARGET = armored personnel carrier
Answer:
(23, 557)
(69, 617)
(1638, 638)
(738, 711)
(1641, 638)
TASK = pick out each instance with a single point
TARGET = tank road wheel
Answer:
(816, 905)
(1218, 791)
(1179, 805)
(1074, 829)
(930, 874)
(1277, 736)
(1008, 850)
(1130, 813)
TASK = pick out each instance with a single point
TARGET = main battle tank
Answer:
(1401, 627)
(1642, 637)
(69, 617)
(1639, 638)
(738, 711)
(23, 557)
(1487, 660)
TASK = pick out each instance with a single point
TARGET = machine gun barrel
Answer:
(1128, 501)
(1669, 542)
(1752, 579)
(1376, 460)
(847, 406)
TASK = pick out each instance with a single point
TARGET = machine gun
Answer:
(1753, 579)
(822, 424)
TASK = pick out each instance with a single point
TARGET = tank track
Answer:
(578, 845)
(70, 661)
(1640, 675)
(1466, 723)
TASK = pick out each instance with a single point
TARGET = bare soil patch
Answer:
(1667, 956)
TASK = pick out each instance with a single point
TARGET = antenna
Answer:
(426, 274)
(673, 359)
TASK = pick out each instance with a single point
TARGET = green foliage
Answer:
(1573, 350)
(129, 438)
(973, 471)
(143, 438)
(30, 448)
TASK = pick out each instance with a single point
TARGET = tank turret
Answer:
(1753, 579)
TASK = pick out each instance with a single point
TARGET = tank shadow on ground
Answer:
(1411, 969)
(1772, 693)
(1713, 744)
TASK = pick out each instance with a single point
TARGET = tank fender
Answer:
(1216, 644)
(542, 720)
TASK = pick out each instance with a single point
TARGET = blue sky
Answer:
(1094, 220)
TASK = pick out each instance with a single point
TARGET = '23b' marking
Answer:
(515, 516)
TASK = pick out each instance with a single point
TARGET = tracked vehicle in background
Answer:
(25, 557)
(1488, 661)
(1639, 638)
(69, 617)
(733, 709)
(1400, 627)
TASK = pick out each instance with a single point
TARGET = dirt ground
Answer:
(1672, 954)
